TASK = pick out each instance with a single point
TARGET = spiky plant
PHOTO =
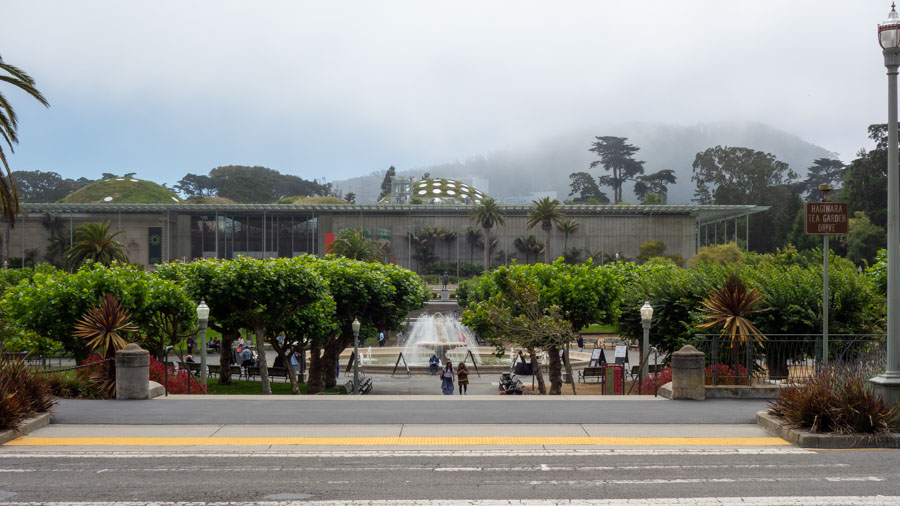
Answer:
(95, 243)
(728, 309)
(352, 243)
(103, 326)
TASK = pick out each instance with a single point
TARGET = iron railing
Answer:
(783, 358)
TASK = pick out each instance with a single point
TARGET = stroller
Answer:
(510, 384)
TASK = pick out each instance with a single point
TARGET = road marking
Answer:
(504, 469)
(682, 481)
(399, 441)
(362, 453)
(680, 501)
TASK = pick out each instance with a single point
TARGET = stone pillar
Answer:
(132, 373)
(688, 374)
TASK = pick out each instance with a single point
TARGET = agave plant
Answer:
(103, 327)
(728, 309)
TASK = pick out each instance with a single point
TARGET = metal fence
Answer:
(782, 358)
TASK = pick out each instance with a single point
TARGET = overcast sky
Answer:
(336, 89)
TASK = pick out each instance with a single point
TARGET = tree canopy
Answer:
(245, 184)
(617, 158)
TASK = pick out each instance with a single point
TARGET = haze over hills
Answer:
(546, 165)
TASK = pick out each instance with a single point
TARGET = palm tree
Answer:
(475, 238)
(529, 246)
(545, 212)
(352, 243)
(9, 123)
(567, 227)
(488, 213)
(95, 243)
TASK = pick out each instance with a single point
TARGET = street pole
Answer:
(825, 301)
(887, 384)
(203, 373)
(355, 327)
(645, 348)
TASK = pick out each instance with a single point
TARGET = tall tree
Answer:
(865, 179)
(546, 213)
(38, 186)
(95, 243)
(654, 184)
(584, 185)
(823, 171)
(9, 131)
(736, 175)
(386, 182)
(488, 214)
(529, 246)
(616, 157)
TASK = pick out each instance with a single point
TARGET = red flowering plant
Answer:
(178, 382)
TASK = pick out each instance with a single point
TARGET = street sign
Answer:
(826, 218)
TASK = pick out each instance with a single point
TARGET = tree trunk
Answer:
(263, 366)
(555, 368)
(536, 371)
(487, 249)
(226, 356)
(547, 245)
(280, 349)
(331, 359)
(777, 363)
(569, 369)
(315, 383)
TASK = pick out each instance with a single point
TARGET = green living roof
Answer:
(122, 191)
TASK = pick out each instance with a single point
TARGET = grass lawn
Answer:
(255, 388)
(611, 329)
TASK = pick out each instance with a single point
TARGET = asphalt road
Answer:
(372, 410)
(445, 476)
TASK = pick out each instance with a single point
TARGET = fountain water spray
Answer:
(440, 334)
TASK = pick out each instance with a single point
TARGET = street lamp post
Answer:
(887, 384)
(646, 317)
(203, 319)
(355, 326)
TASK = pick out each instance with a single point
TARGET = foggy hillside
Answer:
(546, 165)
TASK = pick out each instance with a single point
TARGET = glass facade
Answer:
(253, 235)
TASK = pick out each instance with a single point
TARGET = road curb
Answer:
(26, 426)
(804, 439)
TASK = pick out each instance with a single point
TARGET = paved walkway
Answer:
(258, 410)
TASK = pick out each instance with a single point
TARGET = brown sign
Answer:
(825, 218)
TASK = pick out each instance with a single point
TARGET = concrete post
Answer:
(132, 373)
(688, 374)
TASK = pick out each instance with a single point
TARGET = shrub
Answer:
(22, 393)
(649, 386)
(178, 382)
(726, 375)
(72, 385)
(836, 400)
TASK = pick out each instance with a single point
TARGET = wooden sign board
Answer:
(826, 218)
(621, 354)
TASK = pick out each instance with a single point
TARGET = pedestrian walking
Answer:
(462, 377)
(381, 339)
(190, 345)
(447, 378)
(580, 341)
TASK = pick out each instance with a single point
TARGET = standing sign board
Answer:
(621, 353)
(824, 218)
(598, 358)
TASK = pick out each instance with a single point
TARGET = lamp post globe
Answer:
(355, 326)
(646, 318)
(203, 319)
(887, 384)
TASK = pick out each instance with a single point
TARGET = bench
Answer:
(365, 385)
(651, 369)
(274, 372)
(590, 372)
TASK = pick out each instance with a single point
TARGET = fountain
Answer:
(444, 335)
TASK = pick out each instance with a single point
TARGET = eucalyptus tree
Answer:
(546, 213)
(9, 126)
(488, 214)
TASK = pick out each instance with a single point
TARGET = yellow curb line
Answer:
(396, 441)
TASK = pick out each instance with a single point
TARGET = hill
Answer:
(545, 166)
